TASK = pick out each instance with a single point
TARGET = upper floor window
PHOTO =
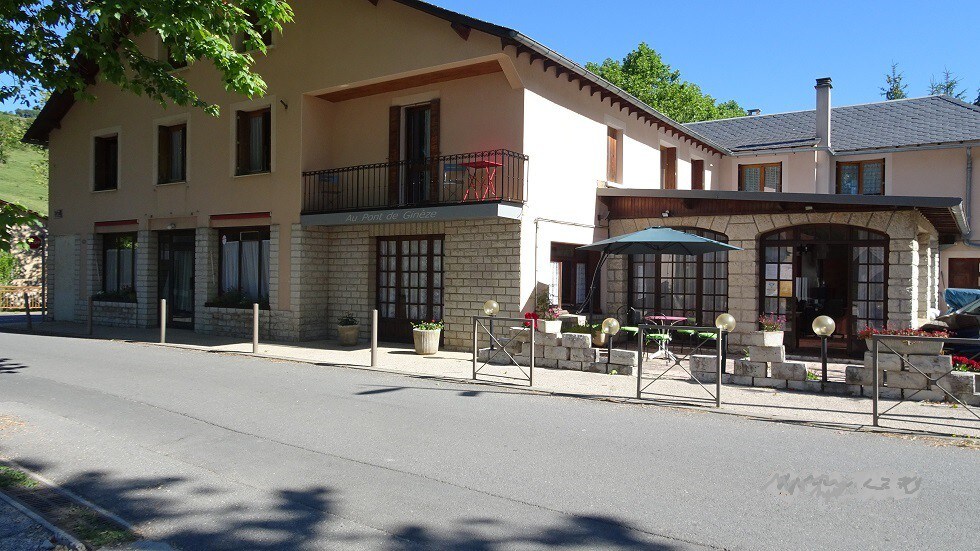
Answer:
(240, 41)
(254, 141)
(668, 167)
(861, 177)
(614, 142)
(697, 174)
(175, 61)
(118, 261)
(761, 177)
(106, 163)
(171, 153)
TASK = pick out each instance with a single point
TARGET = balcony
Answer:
(465, 185)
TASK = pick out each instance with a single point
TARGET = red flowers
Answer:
(962, 363)
(533, 317)
(866, 333)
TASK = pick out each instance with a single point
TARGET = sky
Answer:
(764, 55)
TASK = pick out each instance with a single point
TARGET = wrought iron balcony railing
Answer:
(482, 177)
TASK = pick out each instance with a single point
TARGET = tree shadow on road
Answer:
(8, 365)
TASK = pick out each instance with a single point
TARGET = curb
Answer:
(58, 533)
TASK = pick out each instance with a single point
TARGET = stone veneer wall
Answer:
(481, 259)
(114, 314)
(906, 230)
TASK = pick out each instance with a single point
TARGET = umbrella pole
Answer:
(595, 278)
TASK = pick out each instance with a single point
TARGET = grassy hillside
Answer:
(19, 182)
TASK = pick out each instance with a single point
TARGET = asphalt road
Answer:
(211, 451)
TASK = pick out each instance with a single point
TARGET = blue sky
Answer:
(764, 55)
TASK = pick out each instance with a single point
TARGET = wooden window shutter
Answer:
(241, 146)
(697, 174)
(434, 131)
(394, 151)
(612, 156)
(668, 167)
(267, 139)
(164, 157)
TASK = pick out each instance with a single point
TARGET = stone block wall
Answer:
(232, 322)
(114, 314)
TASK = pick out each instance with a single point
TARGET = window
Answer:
(240, 40)
(763, 177)
(697, 174)
(245, 263)
(106, 163)
(861, 177)
(171, 153)
(118, 258)
(695, 287)
(254, 141)
(668, 167)
(175, 61)
(612, 155)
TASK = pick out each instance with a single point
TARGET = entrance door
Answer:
(418, 134)
(410, 284)
(65, 285)
(832, 270)
(176, 277)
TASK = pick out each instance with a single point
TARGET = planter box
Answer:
(550, 327)
(763, 338)
(930, 348)
(347, 334)
(426, 342)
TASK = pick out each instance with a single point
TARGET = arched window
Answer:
(695, 287)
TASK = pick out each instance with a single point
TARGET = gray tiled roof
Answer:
(898, 123)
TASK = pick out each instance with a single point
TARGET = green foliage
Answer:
(12, 216)
(236, 299)
(127, 294)
(23, 168)
(13, 478)
(583, 329)
(894, 88)
(9, 267)
(55, 45)
(644, 74)
(429, 325)
(347, 319)
(948, 86)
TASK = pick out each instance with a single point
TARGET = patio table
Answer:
(663, 339)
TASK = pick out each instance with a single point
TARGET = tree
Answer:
(977, 101)
(947, 86)
(63, 45)
(13, 216)
(644, 74)
(894, 88)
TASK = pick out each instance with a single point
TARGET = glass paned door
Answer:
(869, 297)
(410, 283)
(778, 282)
(176, 277)
(418, 150)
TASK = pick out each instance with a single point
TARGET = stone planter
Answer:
(426, 341)
(764, 338)
(348, 334)
(552, 327)
(599, 338)
(929, 348)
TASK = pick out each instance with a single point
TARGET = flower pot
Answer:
(426, 341)
(898, 346)
(599, 338)
(347, 334)
(549, 326)
(764, 338)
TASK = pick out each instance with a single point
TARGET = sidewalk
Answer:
(675, 389)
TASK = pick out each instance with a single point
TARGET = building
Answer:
(363, 180)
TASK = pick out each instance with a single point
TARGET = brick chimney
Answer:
(823, 87)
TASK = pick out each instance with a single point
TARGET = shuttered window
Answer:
(668, 167)
(762, 177)
(106, 163)
(697, 174)
(612, 155)
(171, 153)
(254, 141)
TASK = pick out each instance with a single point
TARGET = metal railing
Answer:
(935, 379)
(481, 177)
(705, 338)
(12, 297)
(500, 347)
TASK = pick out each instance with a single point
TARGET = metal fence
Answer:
(502, 347)
(931, 374)
(697, 339)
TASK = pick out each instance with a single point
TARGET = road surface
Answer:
(212, 451)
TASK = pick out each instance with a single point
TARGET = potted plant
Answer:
(549, 322)
(771, 328)
(897, 346)
(348, 329)
(426, 335)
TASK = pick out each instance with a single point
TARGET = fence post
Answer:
(27, 310)
(874, 381)
(374, 338)
(475, 344)
(639, 359)
(720, 343)
(255, 328)
(530, 376)
(163, 321)
(91, 310)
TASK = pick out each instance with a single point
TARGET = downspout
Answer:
(968, 199)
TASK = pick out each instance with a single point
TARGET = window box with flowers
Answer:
(549, 322)
(898, 346)
(425, 335)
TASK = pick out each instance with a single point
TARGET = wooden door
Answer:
(964, 273)
(410, 284)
